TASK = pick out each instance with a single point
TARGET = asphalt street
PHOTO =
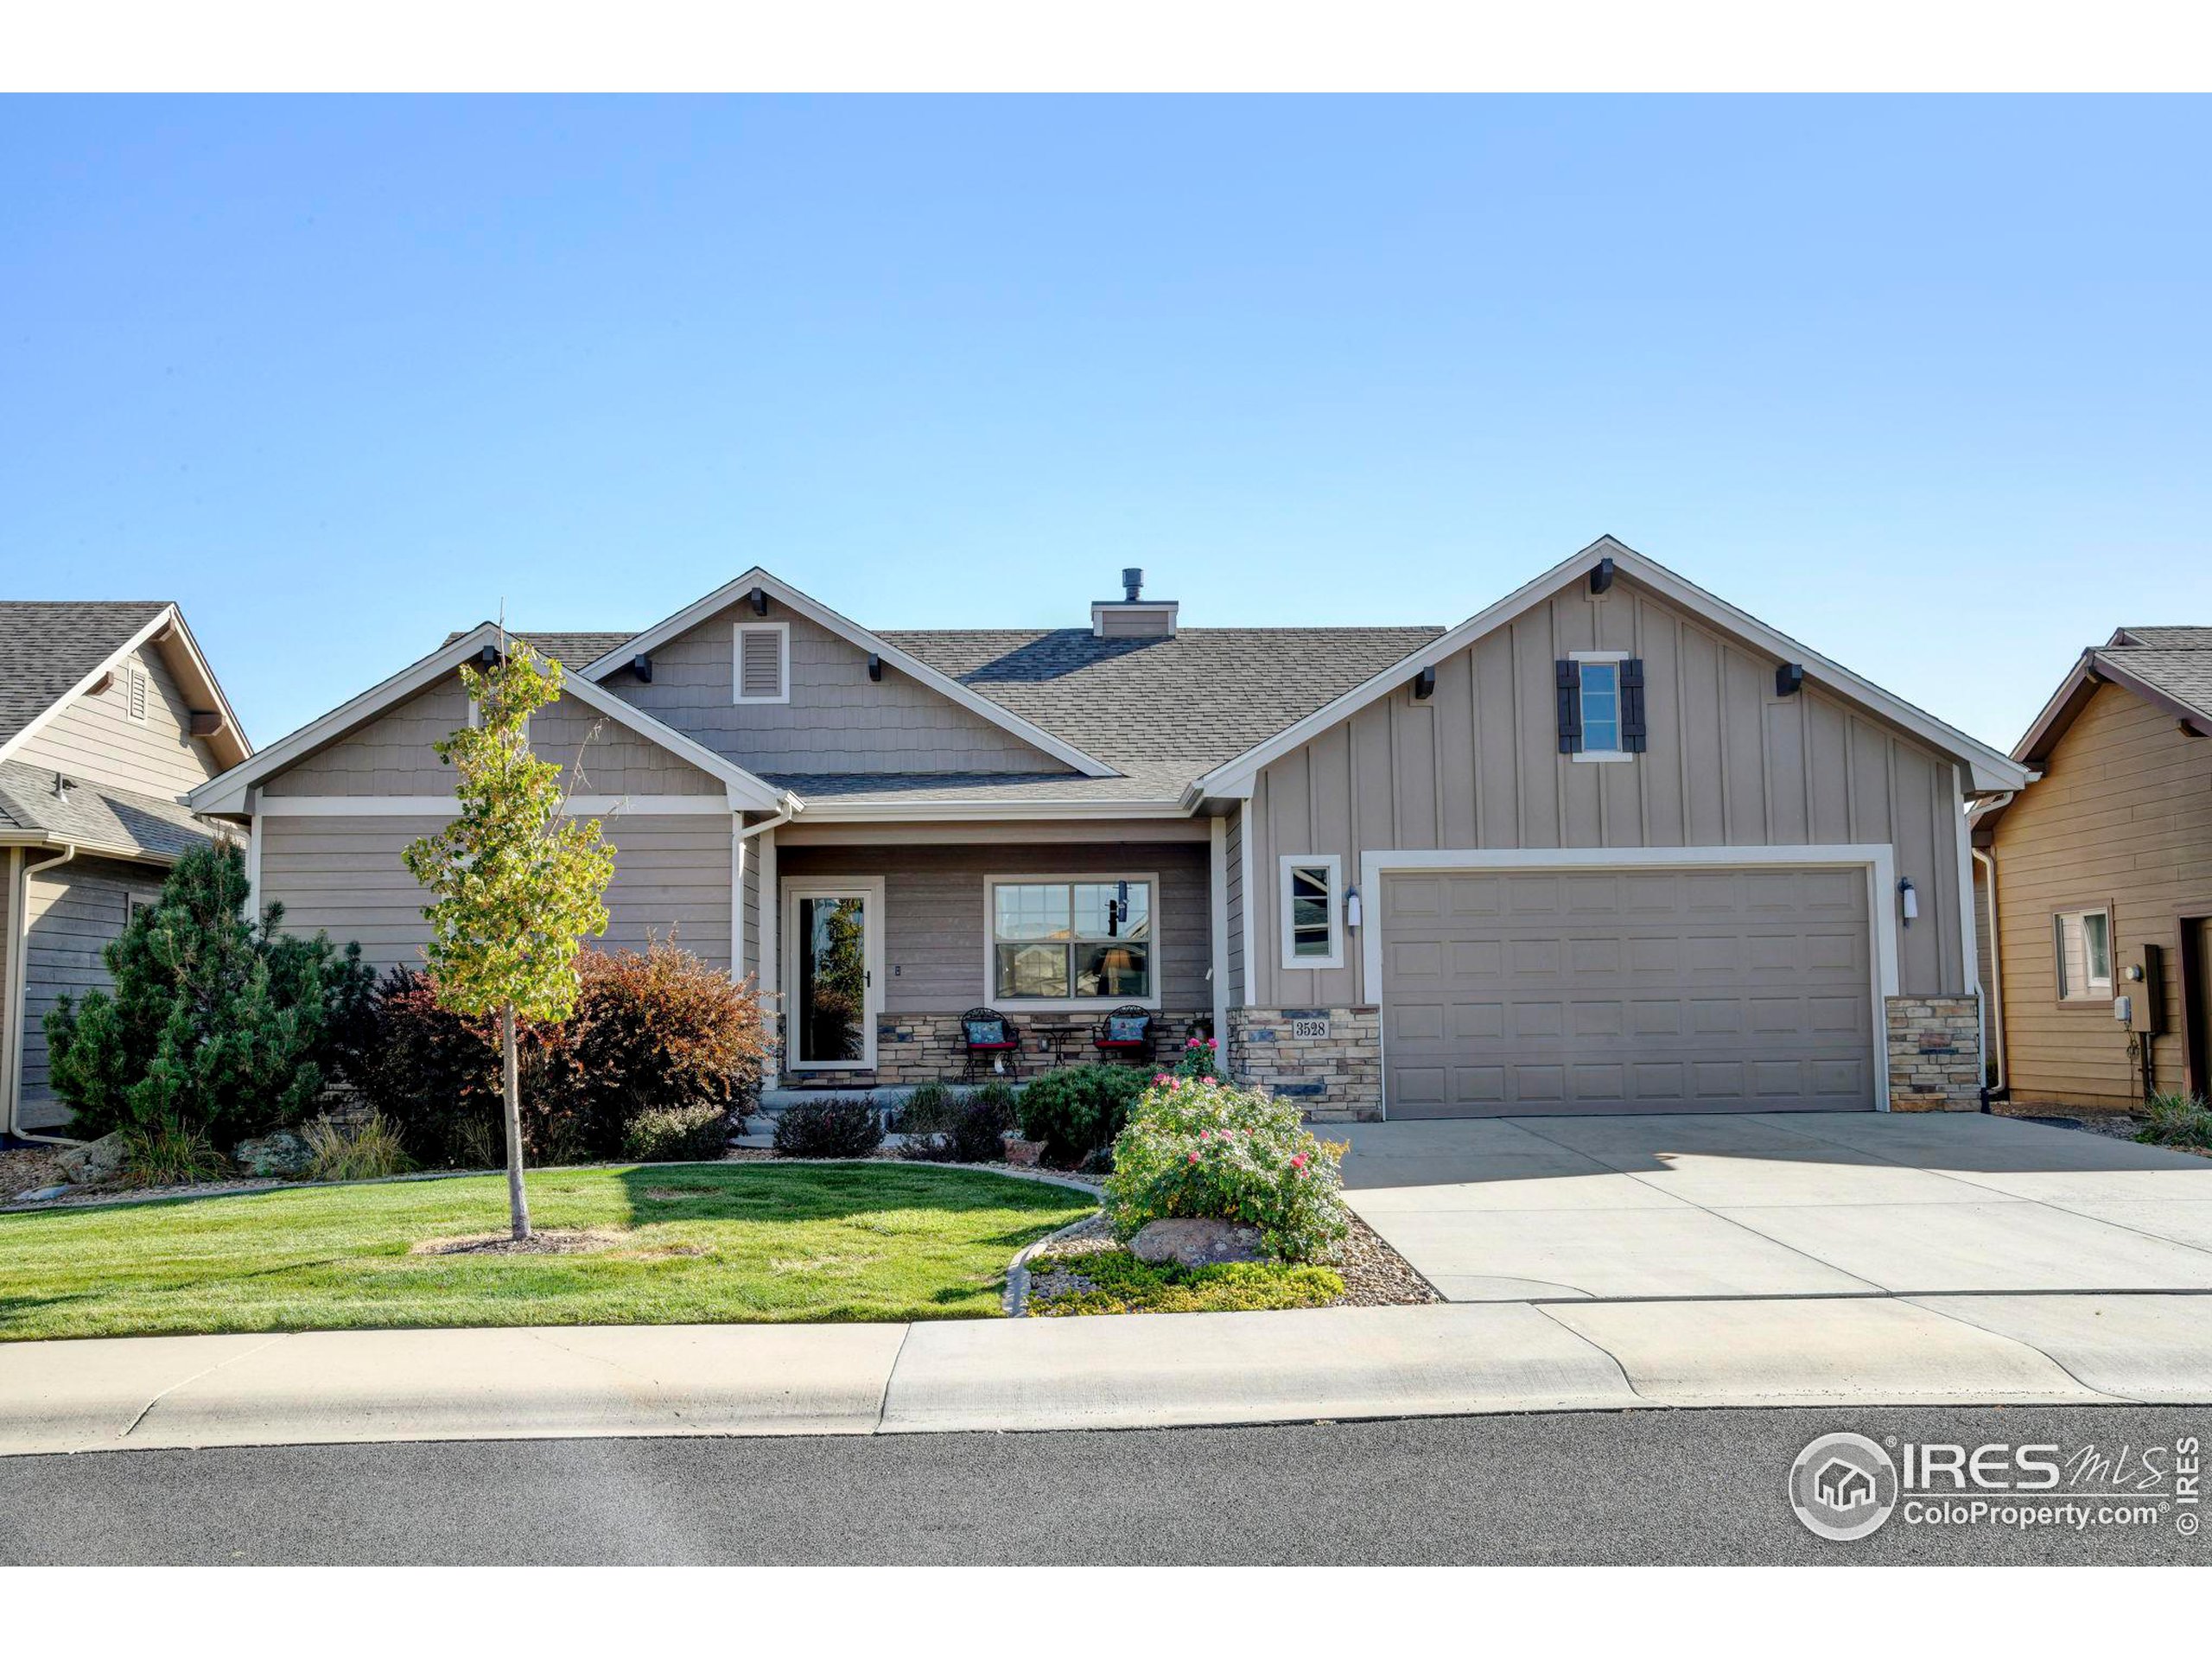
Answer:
(1658, 1487)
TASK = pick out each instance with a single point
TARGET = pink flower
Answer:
(1298, 1162)
(1210, 1043)
(1204, 1133)
(1194, 1157)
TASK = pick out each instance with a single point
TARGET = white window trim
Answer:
(2094, 992)
(133, 897)
(1601, 757)
(869, 890)
(1877, 860)
(1067, 1004)
(738, 631)
(1334, 864)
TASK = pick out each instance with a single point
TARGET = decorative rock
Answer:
(281, 1153)
(41, 1195)
(95, 1162)
(1019, 1151)
(1192, 1242)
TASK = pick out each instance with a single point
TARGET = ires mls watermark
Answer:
(1844, 1487)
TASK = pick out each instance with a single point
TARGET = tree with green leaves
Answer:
(218, 1025)
(517, 883)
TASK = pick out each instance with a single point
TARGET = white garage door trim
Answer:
(1879, 862)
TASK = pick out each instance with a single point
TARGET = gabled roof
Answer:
(731, 593)
(92, 817)
(1989, 769)
(2168, 668)
(227, 793)
(52, 651)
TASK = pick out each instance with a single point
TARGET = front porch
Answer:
(877, 941)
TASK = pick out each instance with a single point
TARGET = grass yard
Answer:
(678, 1243)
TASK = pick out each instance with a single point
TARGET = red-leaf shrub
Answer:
(652, 1031)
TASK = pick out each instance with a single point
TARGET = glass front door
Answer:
(834, 1023)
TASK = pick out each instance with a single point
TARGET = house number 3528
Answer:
(1309, 1028)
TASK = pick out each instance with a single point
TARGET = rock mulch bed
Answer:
(1374, 1276)
(28, 1170)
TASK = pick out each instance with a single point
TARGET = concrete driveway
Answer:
(1823, 1203)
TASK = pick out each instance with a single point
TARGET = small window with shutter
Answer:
(761, 669)
(1600, 705)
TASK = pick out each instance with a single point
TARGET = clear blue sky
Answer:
(1925, 383)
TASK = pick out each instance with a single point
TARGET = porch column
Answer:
(1218, 929)
(770, 987)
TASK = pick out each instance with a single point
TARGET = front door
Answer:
(831, 988)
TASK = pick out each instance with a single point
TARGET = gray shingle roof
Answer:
(46, 646)
(114, 820)
(1182, 705)
(1151, 785)
(2183, 674)
(2169, 636)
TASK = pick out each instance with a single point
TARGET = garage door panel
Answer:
(1592, 991)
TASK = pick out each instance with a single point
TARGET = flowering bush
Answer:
(1198, 1059)
(1200, 1147)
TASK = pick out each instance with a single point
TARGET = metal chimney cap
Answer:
(1132, 582)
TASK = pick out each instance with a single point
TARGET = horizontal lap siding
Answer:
(2122, 817)
(1728, 763)
(75, 911)
(94, 739)
(837, 720)
(392, 754)
(344, 876)
(933, 911)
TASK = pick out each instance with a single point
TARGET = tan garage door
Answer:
(1704, 990)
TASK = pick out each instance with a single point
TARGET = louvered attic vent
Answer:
(761, 671)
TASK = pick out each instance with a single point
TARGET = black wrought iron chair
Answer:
(989, 1039)
(1127, 1035)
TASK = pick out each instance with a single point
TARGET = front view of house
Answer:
(1610, 845)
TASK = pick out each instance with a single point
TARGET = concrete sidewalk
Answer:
(1137, 1371)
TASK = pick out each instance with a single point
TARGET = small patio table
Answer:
(1057, 1034)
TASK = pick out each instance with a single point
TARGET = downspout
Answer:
(19, 932)
(1995, 1003)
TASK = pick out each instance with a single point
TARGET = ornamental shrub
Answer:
(1076, 1111)
(2176, 1120)
(652, 1031)
(970, 1131)
(674, 1135)
(217, 1026)
(928, 1110)
(1211, 1150)
(843, 1127)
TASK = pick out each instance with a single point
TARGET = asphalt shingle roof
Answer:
(46, 646)
(2170, 636)
(114, 820)
(2183, 673)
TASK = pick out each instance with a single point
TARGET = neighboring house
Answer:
(2108, 853)
(109, 715)
(1610, 845)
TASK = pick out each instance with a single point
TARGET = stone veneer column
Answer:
(1934, 1048)
(1335, 1080)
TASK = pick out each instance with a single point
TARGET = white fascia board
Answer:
(161, 619)
(199, 659)
(829, 809)
(1990, 769)
(731, 592)
(226, 793)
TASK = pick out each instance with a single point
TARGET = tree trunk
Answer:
(511, 1081)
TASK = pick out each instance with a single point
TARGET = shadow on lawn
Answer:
(807, 1193)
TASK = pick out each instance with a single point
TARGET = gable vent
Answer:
(762, 670)
(135, 696)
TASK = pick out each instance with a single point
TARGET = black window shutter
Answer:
(1568, 675)
(1632, 705)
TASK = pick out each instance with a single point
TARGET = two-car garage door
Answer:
(1632, 990)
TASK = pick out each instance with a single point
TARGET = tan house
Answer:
(109, 716)
(1608, 845)
(2101, 875)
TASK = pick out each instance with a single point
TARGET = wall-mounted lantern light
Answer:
(1908, 900)
(1352, 908)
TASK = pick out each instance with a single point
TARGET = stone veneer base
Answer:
(1336, 1079)
(913, 1048)
(1935, 1049)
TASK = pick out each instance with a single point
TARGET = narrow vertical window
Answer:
(2081, 942)
(1313, 911)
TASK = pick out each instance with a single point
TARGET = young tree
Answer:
(517, 883)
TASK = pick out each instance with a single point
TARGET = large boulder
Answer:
(96, 1160)
(1192, 1242)
(281, 1153)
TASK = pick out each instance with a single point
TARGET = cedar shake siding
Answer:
(343, 876)
(391, 755)
(95, 739)
(2121, 818)
(836, 721)
(1728, 762)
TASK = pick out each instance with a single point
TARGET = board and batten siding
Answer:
(344, 877)
(2120, 819)
(838, 719)
(1233, 859)
(1728, 763)
(74, 911)
(392, 754)
(933, 923)
(95, 740)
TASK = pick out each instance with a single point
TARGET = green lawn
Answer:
(696, 1243)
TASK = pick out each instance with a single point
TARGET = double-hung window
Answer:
(1077, 938)
(2082, 942)
(1313, 911)
(1601, 705)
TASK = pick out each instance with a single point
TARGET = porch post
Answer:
(737, 896)
(770, 987)
(1218, 891)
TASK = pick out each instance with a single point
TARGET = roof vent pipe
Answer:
(1132, 583)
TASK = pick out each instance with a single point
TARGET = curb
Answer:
(1017, 1271)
